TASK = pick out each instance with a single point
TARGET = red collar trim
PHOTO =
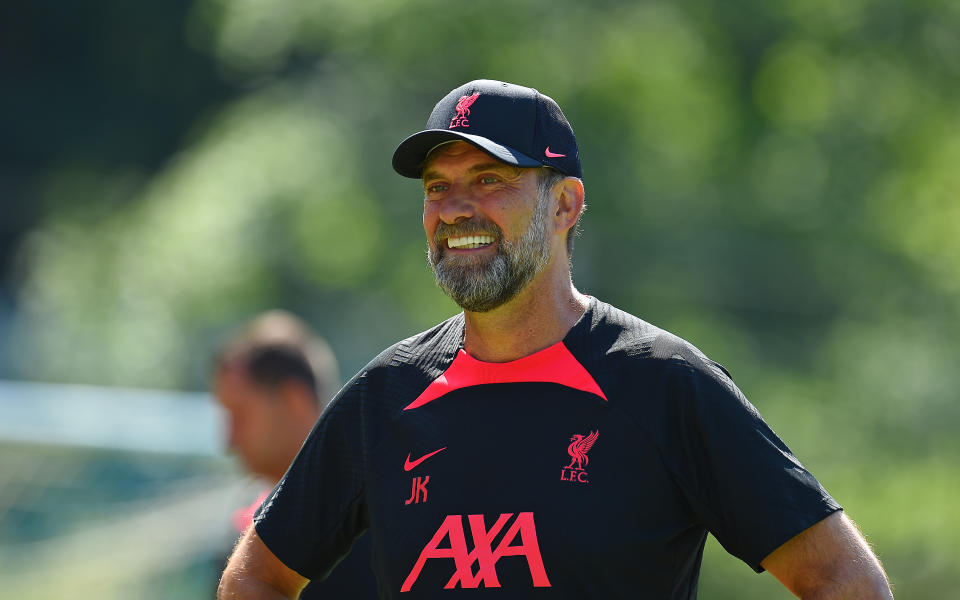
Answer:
(551, 365)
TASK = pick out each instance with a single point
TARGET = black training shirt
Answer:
(592, 469)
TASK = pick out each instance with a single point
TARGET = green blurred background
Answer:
(777, 182)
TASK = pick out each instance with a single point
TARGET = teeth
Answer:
(469, 241)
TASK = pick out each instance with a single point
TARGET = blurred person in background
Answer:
(274, 379)
(541, 438)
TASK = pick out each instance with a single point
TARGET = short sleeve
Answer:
(741, 480)
(318, 508)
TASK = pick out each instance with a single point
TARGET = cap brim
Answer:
(409, 156)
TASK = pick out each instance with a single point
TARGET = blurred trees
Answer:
(777, 183)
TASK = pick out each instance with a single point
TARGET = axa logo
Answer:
(578, 448)
(519, 540)
(463, 111)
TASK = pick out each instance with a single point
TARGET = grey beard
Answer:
(480, 284)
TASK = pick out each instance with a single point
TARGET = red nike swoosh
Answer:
(552, 154)
(409, 464)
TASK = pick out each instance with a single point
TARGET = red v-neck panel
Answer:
(551, 365)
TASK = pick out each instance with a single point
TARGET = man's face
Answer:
(487, 232)
(256, 422)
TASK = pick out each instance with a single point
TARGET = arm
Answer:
(829, 560)
(254, 572)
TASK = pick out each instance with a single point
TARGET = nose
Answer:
(456, 208)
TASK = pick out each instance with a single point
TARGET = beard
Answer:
(482, 283)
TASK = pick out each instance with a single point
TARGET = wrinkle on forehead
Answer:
(459, 147)
(449, 147)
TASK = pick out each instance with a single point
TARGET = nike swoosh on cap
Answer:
(552, 154)
(409, 464)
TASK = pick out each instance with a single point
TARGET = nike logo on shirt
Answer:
(409, 464)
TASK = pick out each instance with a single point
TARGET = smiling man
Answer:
(542, 443)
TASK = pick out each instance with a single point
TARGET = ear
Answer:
(568, 193)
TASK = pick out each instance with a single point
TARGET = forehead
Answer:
(461, 153)
(233, 388)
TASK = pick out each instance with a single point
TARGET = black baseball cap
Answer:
(515, 124)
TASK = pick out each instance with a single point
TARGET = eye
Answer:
(432, 188)
(487, 179)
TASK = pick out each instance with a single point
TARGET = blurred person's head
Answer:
(274, 378)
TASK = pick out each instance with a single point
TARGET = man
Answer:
(274, 379)
(541, 443)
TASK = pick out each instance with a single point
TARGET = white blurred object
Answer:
(111, 418)
(114, 493)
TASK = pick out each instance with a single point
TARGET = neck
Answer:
(538, 317)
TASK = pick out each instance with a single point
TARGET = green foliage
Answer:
(776, 182)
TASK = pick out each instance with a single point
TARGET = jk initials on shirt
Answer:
(482, 554)
(418, 490)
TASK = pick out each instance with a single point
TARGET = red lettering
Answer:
(486, 559)
(418, 490)
(413, 491)
(568, 474)
(451, 527)
(481, 554)
(529, 547)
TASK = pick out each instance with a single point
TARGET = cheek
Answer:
(429, 213)
(242, 422)
(429, 224)
(234, 430)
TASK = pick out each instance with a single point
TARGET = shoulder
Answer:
(424, 352)
(614, 339)
(655, 377)
(407, 366)
(665, 384)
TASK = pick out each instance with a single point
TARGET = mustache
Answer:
(469, 227)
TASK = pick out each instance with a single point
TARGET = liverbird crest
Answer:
(463, 109)
(578, 448)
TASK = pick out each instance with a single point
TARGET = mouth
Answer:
(469, 242)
